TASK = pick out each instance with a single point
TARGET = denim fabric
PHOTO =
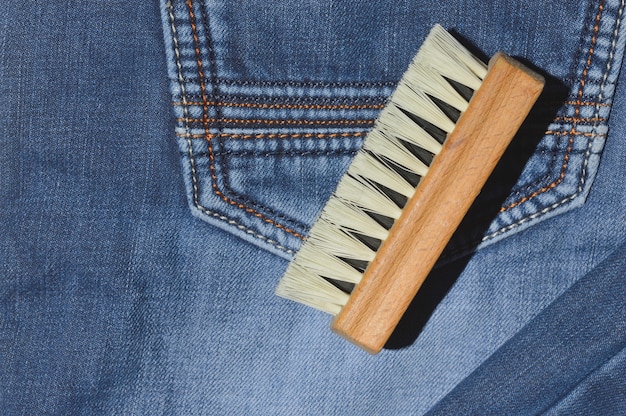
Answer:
(302, 106)
(116, 298)
(576, 344)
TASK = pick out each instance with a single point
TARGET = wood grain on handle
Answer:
(440, 202)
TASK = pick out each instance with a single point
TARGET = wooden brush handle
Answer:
(440, 202)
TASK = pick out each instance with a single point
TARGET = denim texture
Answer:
(590, 350)
(130, 288)
(264, 126)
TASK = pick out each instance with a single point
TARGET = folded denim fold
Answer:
(556, 352)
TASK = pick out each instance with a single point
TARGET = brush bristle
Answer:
(384, 173)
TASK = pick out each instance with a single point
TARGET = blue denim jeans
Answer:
(161, 162)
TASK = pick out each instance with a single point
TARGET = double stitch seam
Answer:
(228, 194)
(582, 181)
(570, 142)
(310, 84)
(184, 98)
(588, 103)
(208, 135)
(333, 135)
(580, 120)
(244, 202)
(190, 148)
(276, 135)
(572, 133)
(547, 177)
(276, 97)
(283, 122)
(289, 106)
(289, 154)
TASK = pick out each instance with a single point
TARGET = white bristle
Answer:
(303, 286)
(332, 239)
(347, 221)
(324, 264)
(352, 218)
(445, 55)
(433, 84)
(395, 152)
(368, 167)
(417, 102)
(364, 195)
(405, 129)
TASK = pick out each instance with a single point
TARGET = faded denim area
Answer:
(116, 300)
(272, 102)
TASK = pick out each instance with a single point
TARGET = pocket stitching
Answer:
(281, 105)
(594, 136)
(208, 134)
(190, 150)
(578, 103)
(227, 156)
(573, 131)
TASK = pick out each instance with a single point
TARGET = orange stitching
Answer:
(286, 106)
(205, 103)
(334, 107)
(275, 135)
(574, 119)
(587, 103)
(277, 122)
(594, 38)
(572, 132)
(208, 135)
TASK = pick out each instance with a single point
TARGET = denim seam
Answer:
(256, 204)
(581, 100)
(556, 182)
(184, 98)
(208, 133)
(611, 55)
(587, 103)
(217, 159)
(341, 152)
(366, 102)
(196, 202)
(572, 133)
(537, 183)
(555, 151)
(290, 106)
(580, 120)
(281, 122)
(306, 84)
(263, 136)
(594, 138)
(536, 187)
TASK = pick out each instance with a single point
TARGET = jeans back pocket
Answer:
(270, 107)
